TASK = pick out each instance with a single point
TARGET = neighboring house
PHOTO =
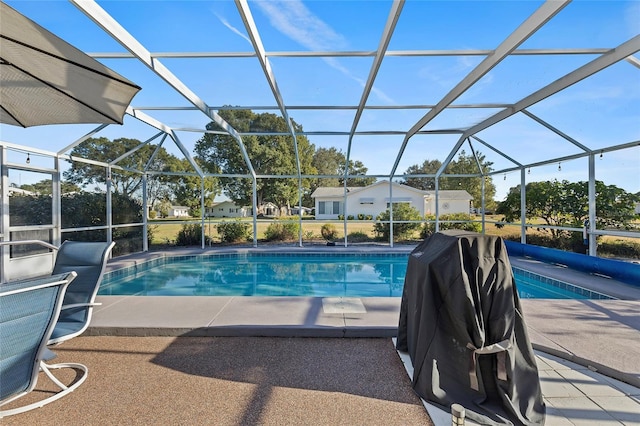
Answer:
(637, 208)
(19, 191)
(305, 211)
(374, 199)
(227, 209)
(179, 211)
(269, 209)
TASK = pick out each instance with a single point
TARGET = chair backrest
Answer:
(29, 310)
(88, 260)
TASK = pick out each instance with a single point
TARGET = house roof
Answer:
(338, 191)
(453, 194)
(333, 191)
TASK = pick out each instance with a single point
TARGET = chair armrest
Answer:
(80, 305)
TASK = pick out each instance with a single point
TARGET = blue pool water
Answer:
(353, 275)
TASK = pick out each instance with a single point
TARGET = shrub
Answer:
(329, 232)
(153, 214)
(281, 231)
(401, 212)
(360, 216)
(358, 237)
(350, 217)
(620, 248)
(430, 228)
(232, 231)
(191, 235)
(308, 235)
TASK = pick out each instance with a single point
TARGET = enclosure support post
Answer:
(202, 211)
(56, 198)
(437, 228)
(390, 213)
(145, 215)
(523, 207)
(254, 201)
(593, 245)
(109, 207)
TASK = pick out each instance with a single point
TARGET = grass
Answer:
(166, 233)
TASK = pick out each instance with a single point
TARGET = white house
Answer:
(227, 209)
(179, 211)
(375, 199)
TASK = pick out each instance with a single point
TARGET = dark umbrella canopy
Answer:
(45, 80)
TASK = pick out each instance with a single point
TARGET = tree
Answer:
(423, 183)
(463, 165)
(103, 150)
(331, 161)
(357, 168)
(328, 161)
(269, 154)
(45, 187)
(401, 212)
(184, 190)
(567, 204)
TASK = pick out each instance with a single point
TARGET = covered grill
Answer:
(462, 325)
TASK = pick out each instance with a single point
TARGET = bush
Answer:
(360, 216)
(401, 212)
(430, 228)
(281, 231)
(329, 232)
(620, 248)
(233, 231)
(350, 217)
(153, 214)
(191, 235)
(358, 237)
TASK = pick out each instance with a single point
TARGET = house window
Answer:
(329, 207)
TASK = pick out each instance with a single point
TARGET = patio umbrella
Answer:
(45, 80)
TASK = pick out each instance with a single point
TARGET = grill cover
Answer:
(462, 325)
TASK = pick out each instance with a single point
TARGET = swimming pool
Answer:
(295, 274)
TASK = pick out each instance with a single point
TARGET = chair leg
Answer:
(46, 368)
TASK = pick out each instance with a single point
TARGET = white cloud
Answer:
(232, 28)
(293, 19)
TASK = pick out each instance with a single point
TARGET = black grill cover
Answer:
(462, 325)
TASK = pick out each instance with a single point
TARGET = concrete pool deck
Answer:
(594, 335)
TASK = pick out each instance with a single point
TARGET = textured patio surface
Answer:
(231, 381)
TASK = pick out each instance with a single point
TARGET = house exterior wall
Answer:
(371, 200)
(227, 209)
(447, 206)
(374, 199)
(177, 211)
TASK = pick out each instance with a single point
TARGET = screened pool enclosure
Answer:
(519, 92)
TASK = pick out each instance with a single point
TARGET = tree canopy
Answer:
(567, 204)
(463, 165)
(183, 190)
(331, 161)
(269, 154)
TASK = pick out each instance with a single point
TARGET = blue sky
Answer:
(599, 111)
